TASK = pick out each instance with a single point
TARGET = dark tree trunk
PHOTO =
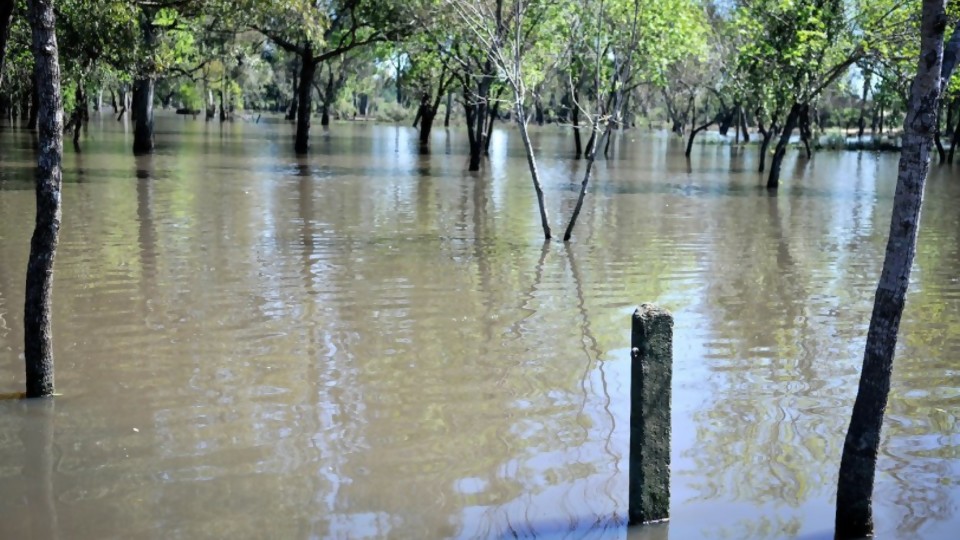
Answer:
(309, 67)
(766, 136)
(327, 99)
(364, 100)
(223, 107)
(494, 112)
(34, 114)
(446, 116)
(80, 113)
(479, 115)
(743, 127)
(538, 112)
(727, 121)
(143, 88)
(955, 138)
(575, 113)
(38, 331)
(143, 115)
(590, 143)
(694, 134)
(854, 516)
(773, 181)
(803, 121)
(292, 111)
(6, 22)
(941, 152)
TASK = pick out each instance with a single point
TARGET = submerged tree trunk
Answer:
(446, 117)
(773, 181)
(492, 116)
(292, 110)
(854, 515)
(479, 116)
(143, 88)
(955, 134)
(698, 130)
(532, 163)
(327, 99)
(575, 113)
(38, 331)
(34, 113)
(307, 70)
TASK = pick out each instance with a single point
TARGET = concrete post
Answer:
(652, 368)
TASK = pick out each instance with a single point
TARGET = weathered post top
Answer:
(652, 371)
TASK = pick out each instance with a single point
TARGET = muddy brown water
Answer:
(374, 343)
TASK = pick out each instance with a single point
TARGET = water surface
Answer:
(373, 343)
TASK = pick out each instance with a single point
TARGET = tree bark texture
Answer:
(854, 516)
(307, 70)
(38, 331)
(143, 89)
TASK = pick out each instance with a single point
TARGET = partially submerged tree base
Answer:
(854, 516)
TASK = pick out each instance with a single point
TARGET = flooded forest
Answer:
(366, 269)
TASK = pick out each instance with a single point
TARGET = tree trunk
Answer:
(305, 108)
(446, 117)
(532, 163)
(292, 111)
(862, 124)
(698, 130)
(941, 152)
(6, 22)
(223, 107)
(494, 112)
(955, 138)
(34, 114)
(80, 112)
(143, 115)
(854, 516)
(773, 181)
(743, 127)
(479, 122)
(726, 122)
(143, 88)
(575, 113)
(38, 331)
(327, 98)
(591, 158)
(803, 121)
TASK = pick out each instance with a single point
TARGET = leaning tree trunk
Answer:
(532, 163)
(854, 517)
(307, 70)
(143, 88)
(38, 331)
(773, 181)
(701, 128)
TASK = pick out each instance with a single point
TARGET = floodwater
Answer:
(374, 343)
